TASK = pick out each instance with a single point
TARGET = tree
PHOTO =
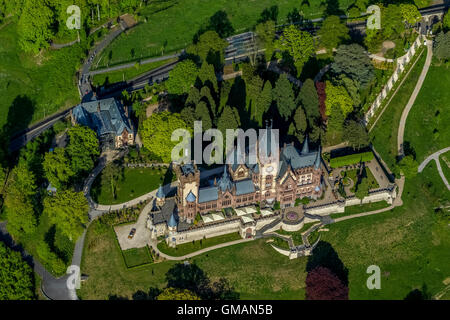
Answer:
(20, 201)
(82, 149)
(442, 46)
(283, 95)
(298, 127)
(353, 61)
(68, 210)
(335, 122)
(193, 97)
(337, 96)
(229, 119)
(188, 115)
(333, 32)
(182, 77)
(57, 168)
(34, 27)
(265, 33)
(202, 114)
(263, 102)
(16, 276)
(298, 44)
(210, 47)
(356, 135)
(362, 189)
(446, 21)
(410, 13)
(309, 98)
(156, 133)
(323, 284)
(408, 166)
(205, 93)
(207, 76)
(177, 294)
(392, 21)
(49, 258)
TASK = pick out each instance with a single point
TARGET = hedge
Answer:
(351, 159)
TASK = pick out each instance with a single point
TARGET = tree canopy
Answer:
(182, 77)
(210, 48)
(57, 167)
(157, 131)
(356, 135)
(82, 149)
(283, 95)
(353, 61)
(16, 276)
(68, 210)
(337, 96)
(298, 44)
(323, 284)
(309, 99)
(333, 32)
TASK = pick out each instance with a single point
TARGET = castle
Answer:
(296, 175)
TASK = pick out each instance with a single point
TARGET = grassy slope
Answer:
(45, 83)
(135, 183)
(444, 165)
(127, 74)
(430, 112)
(177, 25)
(384, 135)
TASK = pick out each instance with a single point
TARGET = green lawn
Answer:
(133, 183)
(427, 127)
(173, 24)
(137, 256)
(127, 74)
(360, 208)
(445, 164)
(384, 134)
(190, 247)
(32, 86)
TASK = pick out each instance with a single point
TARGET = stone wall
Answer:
(400, 67)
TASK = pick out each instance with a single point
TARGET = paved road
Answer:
(412, 99)
(435, 157)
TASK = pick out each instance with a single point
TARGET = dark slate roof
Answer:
(208, 194)
(291, 156)
(190, 197)
(244, 187)
(225, 182)
(104, 116)
(166, 212)
(160, 193)
(188, 168)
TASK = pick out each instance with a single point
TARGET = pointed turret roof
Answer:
(305, 149)
(172, 221)
(160, 193)
(317, 162)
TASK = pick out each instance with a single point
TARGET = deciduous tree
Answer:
(57, 168)
(182, 77)
(323, 284)
(333, 32)
(356, 135)
(309, 98)
(283, 95)
(82, 149)
(337, 96)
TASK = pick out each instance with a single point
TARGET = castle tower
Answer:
(160, 196)
(268, 165)
(187, 192)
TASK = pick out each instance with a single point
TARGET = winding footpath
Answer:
(412, 99)
(435, 157)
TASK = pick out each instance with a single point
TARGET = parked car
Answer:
(132, 233)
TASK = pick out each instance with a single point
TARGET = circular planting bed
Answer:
(292, 216)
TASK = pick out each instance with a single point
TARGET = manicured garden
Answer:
(137, 257)
(186, 248)
(130, 183)
(353, 175)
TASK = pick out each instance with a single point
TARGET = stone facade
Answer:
(296, 175)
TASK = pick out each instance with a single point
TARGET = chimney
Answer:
(98, 107)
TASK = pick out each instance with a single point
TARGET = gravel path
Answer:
(435, 157)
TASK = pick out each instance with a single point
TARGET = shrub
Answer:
(351, 159)
(50, 258)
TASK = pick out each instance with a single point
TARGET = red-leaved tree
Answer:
(323, 284)
(320, 86)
